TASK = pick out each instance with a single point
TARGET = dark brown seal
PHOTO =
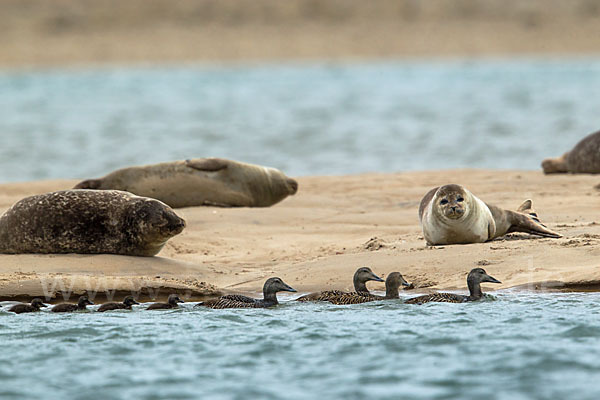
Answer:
(584, 158)
(88, 222)
(200, 182)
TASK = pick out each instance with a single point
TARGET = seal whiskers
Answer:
(474, 279)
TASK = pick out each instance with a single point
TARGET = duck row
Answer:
(274, 285)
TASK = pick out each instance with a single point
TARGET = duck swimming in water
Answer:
(125, 305)
(360, 279)
(392, 284)
(270, 289)
(474, 279)
(172, 302)
(67, 307)
(35, 306)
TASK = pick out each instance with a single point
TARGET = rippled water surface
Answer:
(519, 346)
(307, 119)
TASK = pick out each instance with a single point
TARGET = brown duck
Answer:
(474, 279)
(361, 277)
(392, 285)
(35, 306)
(172, 302)
(125, 305)
(270, 289)
(81, 305)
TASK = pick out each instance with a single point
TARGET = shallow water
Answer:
(519, 346)
(307, 119)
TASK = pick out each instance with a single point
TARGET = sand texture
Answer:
(65, 32)
(316, 239)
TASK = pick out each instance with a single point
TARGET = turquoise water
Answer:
(519, 346)
(306, 119)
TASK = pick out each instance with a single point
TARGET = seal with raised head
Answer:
(451, 214)
(201, 182)
(88, 222)
(584, 158)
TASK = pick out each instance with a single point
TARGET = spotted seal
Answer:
(88, 222)
(451, 214)
(584, 158)
(200, 182)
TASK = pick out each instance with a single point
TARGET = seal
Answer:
(170, 304)
(451, 214)
(127, 303)
(35, 306)
(81, 305)
(584, 158)
(201, 182)
(88, 222)
(270, 289)
(474, 279)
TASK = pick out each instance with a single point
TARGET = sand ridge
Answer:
(316, 239)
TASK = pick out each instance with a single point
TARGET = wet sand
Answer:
(316, 239)
(70, 32)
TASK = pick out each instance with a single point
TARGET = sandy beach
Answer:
(74, 32)
(316, 239)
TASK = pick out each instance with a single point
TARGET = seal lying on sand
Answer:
(584, 158)
(201, 181)
(88, 222)
(452, 215)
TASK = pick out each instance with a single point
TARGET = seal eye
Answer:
(444, 201)
(460, 199)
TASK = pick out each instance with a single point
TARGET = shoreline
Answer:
(316, 239)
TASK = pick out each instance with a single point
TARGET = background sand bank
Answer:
(38, 32)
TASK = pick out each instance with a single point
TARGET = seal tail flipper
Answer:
(525, 223)
(527, 208)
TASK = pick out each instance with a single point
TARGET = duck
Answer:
(35, 306)
(474, 280)
(270, 289)
(81, 305)
(172, 302)
(360, 279)
(125, 305)
(392, 284)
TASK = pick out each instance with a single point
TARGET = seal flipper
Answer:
(207, 164)
(520, 222)
(527, 208)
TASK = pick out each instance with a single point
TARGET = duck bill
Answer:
(288, 288)
(406, 284)
(490, 279)
(376, 278)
